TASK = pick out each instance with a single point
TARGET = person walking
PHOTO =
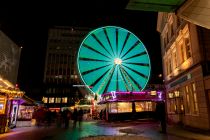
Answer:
(161, 115)
(80, 117)
(75, 117)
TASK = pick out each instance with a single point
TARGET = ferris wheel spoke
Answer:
(109, 79)
(92, 49)
(125, 41)
(91, 59)
(99, 78)
(117, 88)
(124, 81)
(140, 54)
(133, 46)
(138, 64)
(133, 80)
(95, 37)
(117, 42)
(95, 69)
(107, 37)
(139, 73)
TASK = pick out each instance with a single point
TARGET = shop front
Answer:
(9, 105)
(25, 112)
(3, 116)
(131, 105)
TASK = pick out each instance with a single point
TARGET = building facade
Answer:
(185, 56)
(9, 58)
(60, 73)
(10, 95)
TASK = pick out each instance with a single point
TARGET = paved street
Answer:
(102, 130)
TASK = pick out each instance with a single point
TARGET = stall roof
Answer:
(27, 101)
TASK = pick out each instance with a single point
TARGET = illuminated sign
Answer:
(153, 93)
(113, 94)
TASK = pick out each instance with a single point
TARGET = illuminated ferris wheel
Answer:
(112, 58)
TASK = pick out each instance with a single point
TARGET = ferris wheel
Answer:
(112, 58)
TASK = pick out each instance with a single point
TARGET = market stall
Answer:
(9, 104)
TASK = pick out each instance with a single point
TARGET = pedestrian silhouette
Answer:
(161, 115)
(75, 117)
(80, 117)
(67, 116)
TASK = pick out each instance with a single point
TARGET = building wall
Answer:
(183, 64)
(9, 58)
(60, 66)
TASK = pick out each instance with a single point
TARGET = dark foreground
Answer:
(93, 130)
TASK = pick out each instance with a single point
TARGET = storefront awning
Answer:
(196, 12)
(155, 5)
(9, 90)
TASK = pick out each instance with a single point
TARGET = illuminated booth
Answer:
(25, 112)
(131, 105)
(10, 98)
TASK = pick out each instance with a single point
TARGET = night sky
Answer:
(27, 25)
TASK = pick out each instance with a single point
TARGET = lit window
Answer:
(45, 99)
(143, 106)
(171, 106)
(57, 100)
(187, 100)
(188, 49)
(51, 100)
(113, 108)
(195, 101)
(64, 100)
(174, 59)
(2, 104)
(169, 65)
(124, 107)
(170, 95)
(182, 53)
(166, 66)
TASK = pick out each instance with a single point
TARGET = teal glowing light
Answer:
(112, 58)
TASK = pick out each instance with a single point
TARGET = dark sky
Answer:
(27, 25)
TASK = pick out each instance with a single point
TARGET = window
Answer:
(45, 99)
(182, 53)
(167, 40)
(188, 48)
(120, 107)
(124, 107)
(169, 65)
(143, 106)
(195, 101)
(191, 99)
(171, 106)
(166, 67)
(64, 100)
(113, 108)
(51, 100)
(57, 100)
(2, 104)
(187, 100)
(172, 30)
(174, 57)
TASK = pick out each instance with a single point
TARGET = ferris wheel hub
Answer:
(117, 61)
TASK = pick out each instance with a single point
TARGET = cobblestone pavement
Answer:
(94, 130)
